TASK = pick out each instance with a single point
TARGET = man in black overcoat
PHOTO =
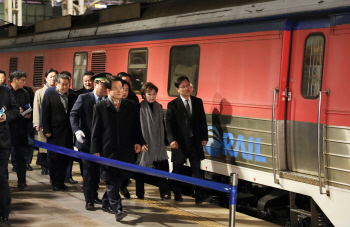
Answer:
(7, 100)
(116, 134)
(57, 106)
(81, 122)
(187, 134)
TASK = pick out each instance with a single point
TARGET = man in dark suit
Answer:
(116, 134)
(88, 83)
(19, 126)
(31, 131)
(187, 134)
(81, 122)
(57, 106)
(132, 96)
(7, 100)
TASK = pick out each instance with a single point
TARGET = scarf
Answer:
(153, 133)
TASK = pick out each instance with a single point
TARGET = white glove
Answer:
(80, 134)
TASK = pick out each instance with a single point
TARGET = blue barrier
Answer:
(232, 189)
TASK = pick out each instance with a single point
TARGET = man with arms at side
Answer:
(81, 122)
(50, 77)
(7, 100)
(56, 107)
(88, 83)
(187, 134)
(19, 126)
(116, 134)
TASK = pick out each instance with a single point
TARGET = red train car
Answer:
(273, 77)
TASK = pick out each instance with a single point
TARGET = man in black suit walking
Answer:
(187, 134)
(81, 122)
(116, 134)
(57, 106)
(7, 100)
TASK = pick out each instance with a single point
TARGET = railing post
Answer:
(233, 197)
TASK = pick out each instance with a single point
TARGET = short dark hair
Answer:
(51, 71)
(122, 74)
(63, 75)
(88, 73)
(17, 74)
(147, 87)
(179, 80)
(2, 72)
(111, 79)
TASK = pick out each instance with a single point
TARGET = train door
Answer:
(305, 82)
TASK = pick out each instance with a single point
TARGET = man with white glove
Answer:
(81, 122)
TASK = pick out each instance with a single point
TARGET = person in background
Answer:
(81, 122)
(116, 134)
(19, 126)
(88, 83)
(154, 153)
(31, 131)
(2, 78)
(131, 96)
(7, 100)
(187, 134)
(50, 77)
(57, 106)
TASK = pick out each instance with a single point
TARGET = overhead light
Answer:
(100, 6)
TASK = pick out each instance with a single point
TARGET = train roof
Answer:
(165, 15)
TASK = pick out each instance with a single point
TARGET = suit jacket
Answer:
(114, 134)
(82, 91)
(30, 128)
(19, 126)
(56, 120)
(179, 126)
(8, 101)
(81, 118)
(133, 97)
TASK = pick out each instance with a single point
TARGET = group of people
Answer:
(104, 118)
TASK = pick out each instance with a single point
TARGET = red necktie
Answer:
(117, 105)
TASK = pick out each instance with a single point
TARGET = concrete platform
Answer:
(40, 207)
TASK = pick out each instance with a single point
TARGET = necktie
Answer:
(99, 100)
(117, 105)
(188, 108)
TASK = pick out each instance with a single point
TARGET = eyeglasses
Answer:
(185, 86)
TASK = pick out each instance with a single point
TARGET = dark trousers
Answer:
(44, 161)
(70, 167)
(196, 172)
(58, 167)
(91, 179)
(28, 156)
(5, 199)
(111, 197)
(19, 154)
(163, 184)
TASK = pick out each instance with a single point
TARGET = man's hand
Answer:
(27, 115)
(48, 134)
(20, 110)
(3, 117)
(174, 145)
(80, 135)
(137, 148)
(97, 154)
(38, 128)
(204, 142)
(144, 148)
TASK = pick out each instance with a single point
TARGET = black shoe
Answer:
(166, 197)
(23, 186)
(14, 169)
(70, 181)
(44, 172)
(55, 188)
(179, 198)
(140, 196)
(63, 187)
(200, 200)
(98, 201)
(125, 192)
(90, 206)
(29, 168)
(108, 210)
(4, 219)
(120, 215)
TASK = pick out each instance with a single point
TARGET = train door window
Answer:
(98, 61)
(38, 71)
(13, 64)
(137, 67)
(80, 66)
(313, 66)
(184, 61)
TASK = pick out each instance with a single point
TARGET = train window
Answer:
(137, 67)
(98, 61)
(313, 66)
(80, 66)
(184, 61)
(13, 64)
(38, 71)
